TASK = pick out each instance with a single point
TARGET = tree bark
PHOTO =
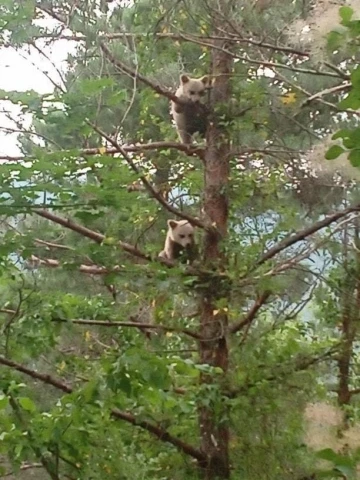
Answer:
(349, 320)
(213, 324)
(345, 355)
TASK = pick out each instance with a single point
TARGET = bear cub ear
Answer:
(205, 79)
(172, 224)
(184, 79)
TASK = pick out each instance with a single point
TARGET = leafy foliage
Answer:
(101, 352)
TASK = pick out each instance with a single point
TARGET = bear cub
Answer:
(180, 242)
(192, 116)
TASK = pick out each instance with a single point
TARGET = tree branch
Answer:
(86, 232)
(265, 63)
(52, 245)
(36, 262)
(356, 391)
(111, 323)
(124, 68)
(8, 311)
(251, 314)
(177, 37)
(139, 325)
(189, 150)
(302, 234)
(99, 238)
(298, 364)
(228, 37)
(147, 184)
(159, 432)
(43, 377)
(317, 96)
(23, 468)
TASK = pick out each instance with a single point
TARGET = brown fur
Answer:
(192, 116)
(179, 242)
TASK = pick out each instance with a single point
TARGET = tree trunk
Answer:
(349, 320)
(213, 350)
(345, 356)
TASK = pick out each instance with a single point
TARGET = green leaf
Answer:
(354, 157)
(347, 471)
(94, 85)
(334, 152)
(351, 101)
(27, 404)
(4, 401)
(346, 13)
(124, 384)
(349, 143)
(335, 40)
(327, 454)
(343, 133)
(354, 136)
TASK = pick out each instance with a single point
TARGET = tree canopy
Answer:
(242, 364)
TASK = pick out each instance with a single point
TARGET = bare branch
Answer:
(99, 238)
(139, 325)
(23, 468)
(356, 391)
(86, 232)
(103, 323)
(124, 68)
(319, 98)
(162, 434)
(30, 133)
(43, 377)
(338, 70)
(251, 314)
(300, 125)
(294, 262)
(177, 37)
(237, 38)
(265, 63)
(52, 245)
(58, 71)
(8, 311)
(36, 262)
(302, 234)
(343, 87)
(229, 37)
(28, 59)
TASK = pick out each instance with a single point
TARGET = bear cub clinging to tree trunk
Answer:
(192, 116)
(180, 242)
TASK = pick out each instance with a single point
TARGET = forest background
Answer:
(243, 365)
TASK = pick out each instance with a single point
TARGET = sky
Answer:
(23, 70)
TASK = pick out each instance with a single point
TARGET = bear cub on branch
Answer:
(192, 116)
(180, 242)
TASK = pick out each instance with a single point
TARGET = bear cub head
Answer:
(194, 89)
(181, 232)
